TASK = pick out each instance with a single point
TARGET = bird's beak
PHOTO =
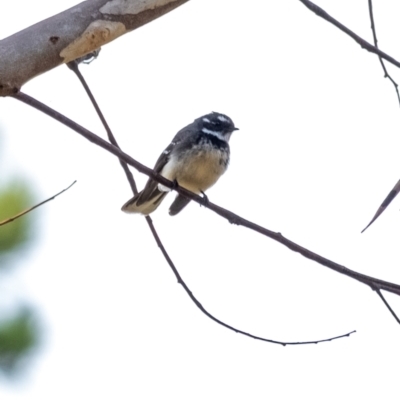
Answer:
(236, 129)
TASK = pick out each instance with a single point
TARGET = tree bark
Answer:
(70, 35)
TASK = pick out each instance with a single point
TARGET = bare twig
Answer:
(392, 194)
(379, 292)
(363, 43)
(201, 307)
(373, 49)
(9, 220)
(381, 55)
(75, 67)
(386, 74)
(231, 217)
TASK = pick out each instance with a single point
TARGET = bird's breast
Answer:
(197, 168)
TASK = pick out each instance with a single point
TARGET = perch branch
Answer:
(231, 217)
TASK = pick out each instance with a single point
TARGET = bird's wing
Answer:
(151, 188)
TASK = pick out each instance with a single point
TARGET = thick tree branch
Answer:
(72, 34)
(233, 218)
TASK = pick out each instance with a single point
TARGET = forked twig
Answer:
(386, 74)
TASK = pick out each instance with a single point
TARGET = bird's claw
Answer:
(205, 199)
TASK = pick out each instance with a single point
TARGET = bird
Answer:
(195, 159)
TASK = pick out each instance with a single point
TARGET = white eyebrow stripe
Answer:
(206, 120)
(222, 118)
(214, 133)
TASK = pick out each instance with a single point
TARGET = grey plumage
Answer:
(197, 156)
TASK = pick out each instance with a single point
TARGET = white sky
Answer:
(316, 153)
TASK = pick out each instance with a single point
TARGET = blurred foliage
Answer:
(18, 332)
(14, 199)
(17, 335)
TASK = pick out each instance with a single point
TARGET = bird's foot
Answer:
(175, 184)
(206, 201)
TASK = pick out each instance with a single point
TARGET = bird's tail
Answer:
(178, 204)
(144, 203)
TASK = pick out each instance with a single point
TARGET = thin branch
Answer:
(74, 66)
(2, 223)
(373, 49)
(387, 305)
(386, 74)
(363, 43)
(392, 194)
(381, 55)
(231, 217)
(201, 307)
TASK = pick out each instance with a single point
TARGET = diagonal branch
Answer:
(2, 223)
(387, 305)
(231, 217)
(363, 43)
(392, 194)
(74, 66)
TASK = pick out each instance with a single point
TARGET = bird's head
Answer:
(217, 124)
